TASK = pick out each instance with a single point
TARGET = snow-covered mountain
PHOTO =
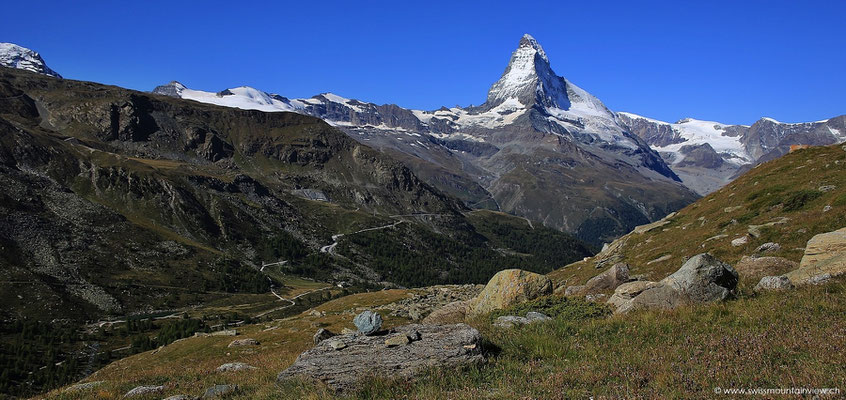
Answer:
(708, 155)
(14, 56)
(540, 147)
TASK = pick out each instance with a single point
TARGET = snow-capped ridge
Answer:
(14, 56)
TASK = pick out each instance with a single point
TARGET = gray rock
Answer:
(510, 321)
(336, 344)
(773, 283)
(608, 280)
(701, 279)
(180, 397)
(400, 339)
(826, 188)
(322, 334)
(819, 279)
(84, 386)
(628, 291)
(536, 316)
(218, 391)
(439, 346)
(244, 342)
(741, 241)
(143, 390)
(234, 367)
(574, 290)
(368, 322)
(769, 246)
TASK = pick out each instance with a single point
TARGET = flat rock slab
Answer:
(825, 255)
(340, 369)
(234, 367)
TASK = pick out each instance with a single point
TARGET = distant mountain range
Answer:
(543, 148)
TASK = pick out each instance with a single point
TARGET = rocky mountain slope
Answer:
(117, 201)
(760, 222)
(539, 147)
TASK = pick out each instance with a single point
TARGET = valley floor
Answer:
(779, 340)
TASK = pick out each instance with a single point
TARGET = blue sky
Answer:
(728, 61)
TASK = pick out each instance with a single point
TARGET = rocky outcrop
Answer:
(825, 255)
(701, 279)
(340, 367)
(321, 335)
(509, 287)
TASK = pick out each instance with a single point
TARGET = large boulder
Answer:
(435, 346)
(757, 267)
(825, 254)
(507, 287)
(701, 279)
(368, 322)
(608, 280)
(451, 313)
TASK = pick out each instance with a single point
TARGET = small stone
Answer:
(143, 390)
(826, 208)
(397, 340)
(315, 313)
(348, 331)
(337, 344)
(368, 322)
(84, 386)
(826, 188)
(536, 316)
(321, 335)
(180, 397)
(819, 279)
(769, 246)
(773, 283)
(244, 342)
(218, 391)
(741, 241)
(509, 321)
(234, 367)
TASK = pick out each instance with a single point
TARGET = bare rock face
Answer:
(508, 287)
(361, 356)
(701, 279)
(825, 254)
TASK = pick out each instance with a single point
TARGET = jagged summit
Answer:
(14, 56)
(529, 79)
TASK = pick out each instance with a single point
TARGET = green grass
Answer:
(565, 308)
(787, 187)
(777, 340)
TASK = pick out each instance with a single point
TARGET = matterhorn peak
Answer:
(14, 56)
(529, 79)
